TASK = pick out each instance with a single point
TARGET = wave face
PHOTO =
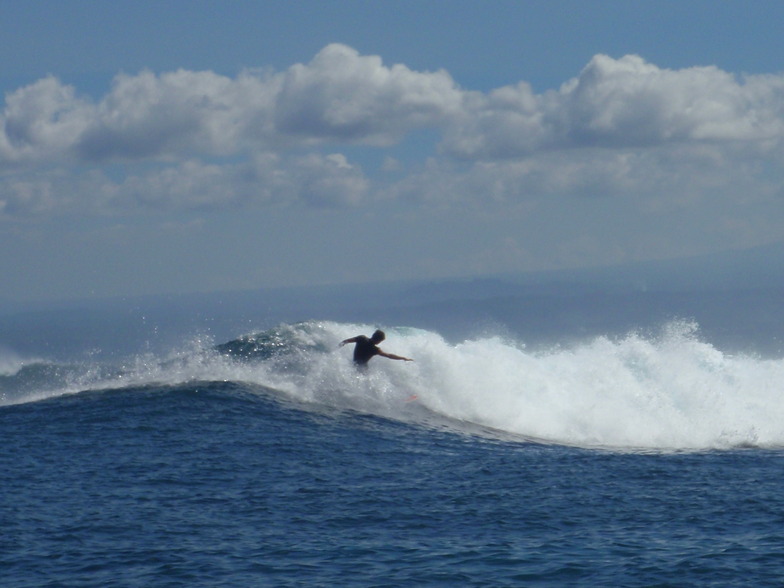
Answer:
(669, 391)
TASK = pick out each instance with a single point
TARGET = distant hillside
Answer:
(737, 298)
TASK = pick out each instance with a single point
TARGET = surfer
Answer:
(365, 348)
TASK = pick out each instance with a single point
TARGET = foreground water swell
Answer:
(222, 483)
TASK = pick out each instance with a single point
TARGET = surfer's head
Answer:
(378, 336)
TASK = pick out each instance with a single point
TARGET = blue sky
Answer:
(163, 147)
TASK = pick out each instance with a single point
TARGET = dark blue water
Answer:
(228, 484)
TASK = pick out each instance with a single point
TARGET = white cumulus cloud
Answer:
(40, 122)
(195, 139)
(344, 96)
(620, 103)
(340, 96)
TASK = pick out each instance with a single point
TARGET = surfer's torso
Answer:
(364, 350)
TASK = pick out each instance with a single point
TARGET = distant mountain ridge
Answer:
(736, 297)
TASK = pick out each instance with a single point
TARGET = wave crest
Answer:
(669, 390)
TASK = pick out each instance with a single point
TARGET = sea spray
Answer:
(669, 390)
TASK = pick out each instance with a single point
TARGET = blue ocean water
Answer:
(643, 457)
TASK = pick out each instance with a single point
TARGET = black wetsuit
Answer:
(364, 350)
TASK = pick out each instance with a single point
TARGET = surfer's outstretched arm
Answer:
(393, 356)
(346, 341)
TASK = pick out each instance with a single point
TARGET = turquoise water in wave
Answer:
(645, 457)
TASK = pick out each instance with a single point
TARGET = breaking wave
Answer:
(666, 391)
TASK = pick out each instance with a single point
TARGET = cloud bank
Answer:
(196, 139)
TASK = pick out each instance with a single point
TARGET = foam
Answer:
(666, 391)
